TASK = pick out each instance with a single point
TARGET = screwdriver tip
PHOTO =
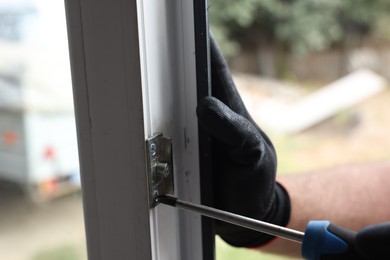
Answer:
(166, 199)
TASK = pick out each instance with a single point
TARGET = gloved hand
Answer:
(243, 158)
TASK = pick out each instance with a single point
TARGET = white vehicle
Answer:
(38, 145)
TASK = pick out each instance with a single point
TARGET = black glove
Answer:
(243, 158)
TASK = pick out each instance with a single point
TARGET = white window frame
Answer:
(134, 74)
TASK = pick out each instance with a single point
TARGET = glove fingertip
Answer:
(226, 125)
(209, 112)
(203, 106)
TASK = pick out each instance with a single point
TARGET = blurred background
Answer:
(314, 74)
(40, 203)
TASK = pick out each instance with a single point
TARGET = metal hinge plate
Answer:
(160, 167)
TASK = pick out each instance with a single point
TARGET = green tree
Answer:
(302, 26)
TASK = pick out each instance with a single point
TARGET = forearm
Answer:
(349, 196)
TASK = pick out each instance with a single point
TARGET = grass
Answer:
(227, 252)
(65, 252)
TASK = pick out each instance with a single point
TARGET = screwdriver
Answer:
(320, 240)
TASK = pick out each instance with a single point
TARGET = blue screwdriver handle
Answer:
(325, 240)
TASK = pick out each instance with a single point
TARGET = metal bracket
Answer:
(160, 167)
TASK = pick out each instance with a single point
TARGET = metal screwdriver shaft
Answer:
(239, 220)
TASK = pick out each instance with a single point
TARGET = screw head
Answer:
(163, 169)
(153, 149)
